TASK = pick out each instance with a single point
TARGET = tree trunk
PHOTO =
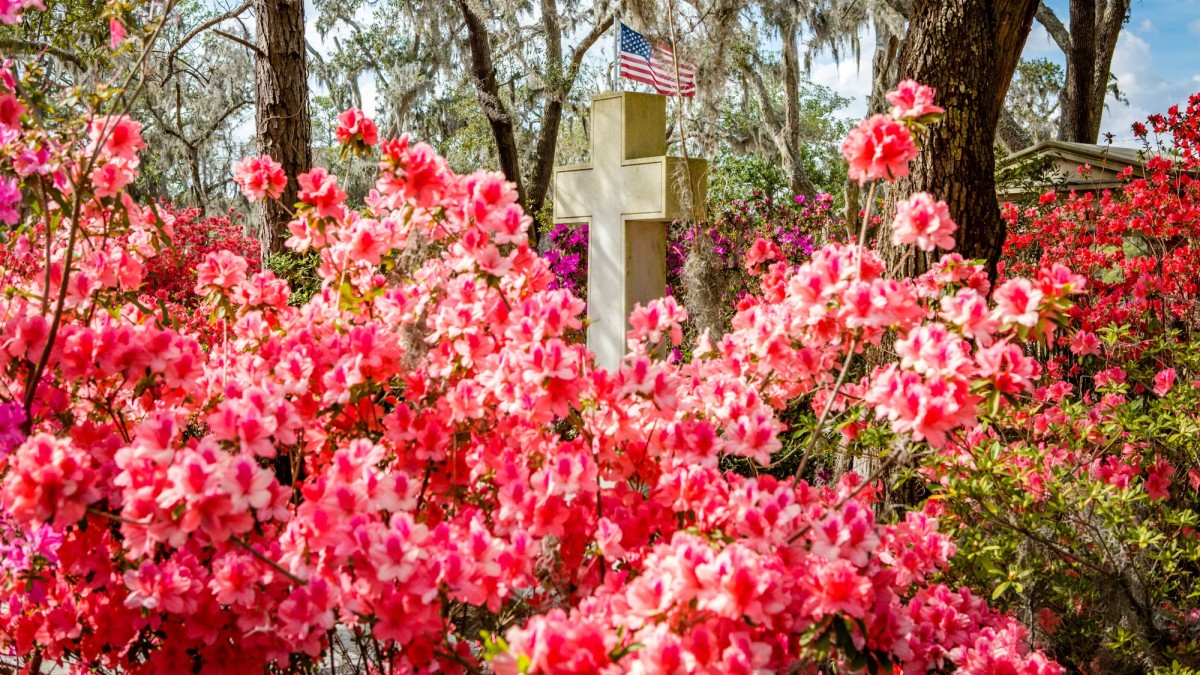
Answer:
(281, 106)
(798, 181)
(1108, 17)
(968, 51)
(483, 72)
(1075, 124)
(1108, 29)
(543, 169)
(559, 82)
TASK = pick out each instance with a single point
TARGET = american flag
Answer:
(653, 64)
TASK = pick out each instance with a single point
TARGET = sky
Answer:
(1156, 62)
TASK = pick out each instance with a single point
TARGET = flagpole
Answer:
(616, 64)
(687, 161)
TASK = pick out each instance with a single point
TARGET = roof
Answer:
(1084, 153)
(1106, 162)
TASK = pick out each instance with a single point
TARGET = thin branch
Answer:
(33, 47)
(588, 41)
(241, 42)
(200, 29)
(267, 561)
(1054, 26)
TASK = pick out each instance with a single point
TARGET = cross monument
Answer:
(628, 194)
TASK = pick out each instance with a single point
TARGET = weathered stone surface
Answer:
(627, 193)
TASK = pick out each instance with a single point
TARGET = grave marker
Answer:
(628, 194)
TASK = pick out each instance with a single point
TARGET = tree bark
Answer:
(560, 81)
(1110, 17)
(798, 180)
(968, 51)
(281, 106)
(783, 127)
(483, 72)
(1075, 123)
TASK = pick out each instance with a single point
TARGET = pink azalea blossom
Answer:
(11, 110)
(320, 190)
(116, 31)
(1158, 480)
(222, 270)
(1084, 343)
(354, 127)
(879, 148)
(260, 178)
(111, 177)
(1017, 302)
(923, 221)
(10, 200)
(912, 100)
(1163, 381)
(1009, 369)
(116, 138)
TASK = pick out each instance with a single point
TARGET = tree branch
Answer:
(901, 7)
(31, 47)
(1108, 29)
(241, 42)
(587, 42)
(1011, 135)
(1054, 26)
(233, 108)
(770, 115)
(200, 29)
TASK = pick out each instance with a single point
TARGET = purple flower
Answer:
(10, 199)
(12, 416)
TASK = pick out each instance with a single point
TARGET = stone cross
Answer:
(628, 194)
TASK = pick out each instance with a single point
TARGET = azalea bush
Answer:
(566, 253)
(416, 461)
(795, 225)
(1079, 511)
(1138, 244)
(1076, 504)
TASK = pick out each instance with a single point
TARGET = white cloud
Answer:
(1040, 45)
(848, 80)
(1194, 27)
(1146, 26)
(1143, 84)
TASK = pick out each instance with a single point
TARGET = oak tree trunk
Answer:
(281, 106)
(1108, 29)
(967, 50)
(793, 164)
(1107, 19)
(483, 72)
(1075, 124)
(560, 78)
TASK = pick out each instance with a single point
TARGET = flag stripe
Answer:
(634, 63)
(658, 77)
(654, 65)
(661, 82)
